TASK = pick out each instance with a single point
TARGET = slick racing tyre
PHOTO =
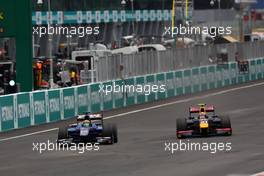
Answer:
(115, 135)
(109, 132)
(181, 125)
(226, 123)
(63, 133)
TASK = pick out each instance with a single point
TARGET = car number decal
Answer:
(84, 131)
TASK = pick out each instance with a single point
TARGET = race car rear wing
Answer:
(207, 108)
(90, 116)
(98, 116)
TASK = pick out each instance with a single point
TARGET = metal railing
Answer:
(123, 66)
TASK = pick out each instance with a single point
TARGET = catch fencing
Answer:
(40, 107)
(150, 62)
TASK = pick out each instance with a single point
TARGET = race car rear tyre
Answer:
(108, 132)
(181, 125)
(63, 133)
(115, 135)
(225, 121)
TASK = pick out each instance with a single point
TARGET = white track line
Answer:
(259, 174)
(146, 109)
(29, 134)
(185, 100)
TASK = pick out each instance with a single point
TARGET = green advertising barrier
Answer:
(130, 94)
(195, 80)
(219, 76)
(203, 78)
(161, 82)
(170, 84)
(120, 93)
(234, 73)
(108, 94)
(262, 68)
(252, 67)
(226, 75)
(68, 102)
(140, 97)
(39, 108)
(23, 110)
(7, 113)
(27, 109)
(150, 82)
(95, 97)
(82, 99)
(54, 104)
(211, 76)
(241, 77)
(259, 69)
(246, 77)
(101, 16)
(179, 83)
(187, 81)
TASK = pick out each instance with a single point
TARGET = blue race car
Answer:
(89, 128)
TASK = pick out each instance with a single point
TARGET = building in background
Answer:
(119, 18)
(114, 18)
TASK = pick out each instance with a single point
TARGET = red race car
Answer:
(203, 121)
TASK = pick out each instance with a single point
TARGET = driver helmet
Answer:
(86, 123)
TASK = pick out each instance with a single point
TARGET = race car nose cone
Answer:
(204, 125)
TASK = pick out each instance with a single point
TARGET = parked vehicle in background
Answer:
(126, 50)
(151, 47)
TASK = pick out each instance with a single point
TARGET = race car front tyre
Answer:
(226, 123)
(63, 133)
(181, 124)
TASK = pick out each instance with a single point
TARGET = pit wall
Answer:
(39, 107)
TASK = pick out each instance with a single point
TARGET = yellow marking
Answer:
(186, 8)
(173, 16)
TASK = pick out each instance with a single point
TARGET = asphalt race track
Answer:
(142, 137)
